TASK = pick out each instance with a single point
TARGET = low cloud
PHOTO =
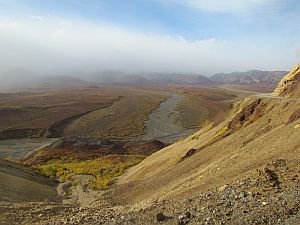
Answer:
(51, 44)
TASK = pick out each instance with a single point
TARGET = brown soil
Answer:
(85, 149)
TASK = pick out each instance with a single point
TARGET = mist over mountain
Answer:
(250, 77)
(20, 78)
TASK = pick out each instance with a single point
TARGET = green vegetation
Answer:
(104, 169)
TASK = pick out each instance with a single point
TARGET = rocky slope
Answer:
(262, 130)
(289, 86)
(271, 196)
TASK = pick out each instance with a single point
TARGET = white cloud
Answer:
(230, 6)
(52, 44)
(36, 17)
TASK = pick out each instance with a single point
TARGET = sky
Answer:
(189, 36)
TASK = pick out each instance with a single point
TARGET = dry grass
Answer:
(41, 110)
(124, 119)
(201, 105)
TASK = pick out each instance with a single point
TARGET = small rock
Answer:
(181, 217)
(160, 217)
(187, 215)
(222, 188)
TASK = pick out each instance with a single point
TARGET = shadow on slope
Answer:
(21, 184)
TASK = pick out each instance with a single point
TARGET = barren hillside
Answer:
(261, 130)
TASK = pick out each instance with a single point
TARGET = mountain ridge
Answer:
(289, 86)
(249, 77)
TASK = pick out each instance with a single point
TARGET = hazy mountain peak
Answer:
(249, 77)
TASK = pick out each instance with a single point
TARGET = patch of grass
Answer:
(104, 169)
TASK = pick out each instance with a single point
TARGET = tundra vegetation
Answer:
(103, 169)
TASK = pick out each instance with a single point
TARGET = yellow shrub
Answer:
(104, 169)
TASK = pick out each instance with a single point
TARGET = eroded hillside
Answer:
(262, 130)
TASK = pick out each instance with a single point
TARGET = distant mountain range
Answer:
(149, 78)
(16, 81)
(249, 77)
(178, 78)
